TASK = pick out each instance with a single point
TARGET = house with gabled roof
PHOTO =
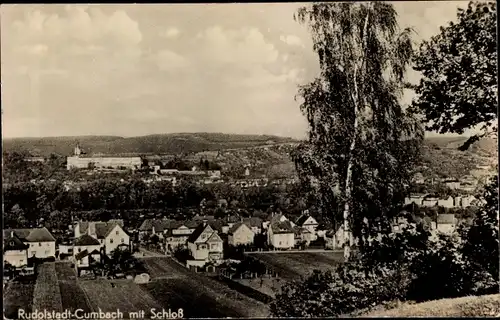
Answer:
(154, 227)
(205, 245)
(240, 234)
(15, 251)
(254, 223)
(110, 235)
(308, 222)
(41, 242)
(446, 223)
(281, 234)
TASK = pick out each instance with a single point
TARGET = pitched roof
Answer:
(197, 232)
(235, 227)
(86, 240)
(216, 224)
(31, 235)
(102, 229)
(160, 225)
(233, 219)
(302, 219)
(12, 242)
(214, 237)
(82, 254)
(253, 222)
(277, 218)
(282, 227)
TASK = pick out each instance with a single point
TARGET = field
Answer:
(293, 266)
(72, 295)
(172, 287)
(198, 295)
(119, 294)
(18, 296)
(47, 295)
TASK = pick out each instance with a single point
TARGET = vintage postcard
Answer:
(250, 160)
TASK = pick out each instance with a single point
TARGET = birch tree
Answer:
(361, 142)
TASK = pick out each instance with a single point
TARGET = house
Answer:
(240, 234)
(110, 235)
(446, 223)
(467, 201)
(281, 234)
(418, 178)
(307, 222)
(41, 242)
(273, 217)
(254, 223)
(446, 203)
(303, 234)
(452, 183)
(205, 245)
(153, 227)
(177, 234)
(430, 201)
(86, 243)
(84, 258)
(335, 238)
(15, 251)
(415, 198)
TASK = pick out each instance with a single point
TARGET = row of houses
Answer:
(92, 241)
(427, 200)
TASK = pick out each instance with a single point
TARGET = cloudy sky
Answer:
(142, 69)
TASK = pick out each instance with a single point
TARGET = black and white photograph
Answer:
(250, 160)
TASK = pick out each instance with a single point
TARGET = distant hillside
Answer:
(484, 147)
(264, 154)
(152, 144)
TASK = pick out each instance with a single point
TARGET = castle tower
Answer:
(78, 151)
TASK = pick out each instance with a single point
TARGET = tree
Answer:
(481, 245)
(458, 89)
(361, 142)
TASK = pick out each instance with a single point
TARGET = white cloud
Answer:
(170, 33)
(292, 40)
(78, 24)
(169, 60)
(262, 77)
(245, 46)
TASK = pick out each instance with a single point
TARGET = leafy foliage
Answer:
(459, 88)
(410, 264)
(361, 142)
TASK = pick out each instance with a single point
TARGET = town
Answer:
(245, 249)
(250, 160)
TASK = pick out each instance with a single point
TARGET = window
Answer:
(110, 240)
(117, 232)
(279, 243)
(12, 243)
(39, 244)
(79, 249)
(47, 252)
(123, 240)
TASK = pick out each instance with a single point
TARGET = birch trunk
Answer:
(348, 180)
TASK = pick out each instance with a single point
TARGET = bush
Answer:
(352, 286)
(410, 264)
